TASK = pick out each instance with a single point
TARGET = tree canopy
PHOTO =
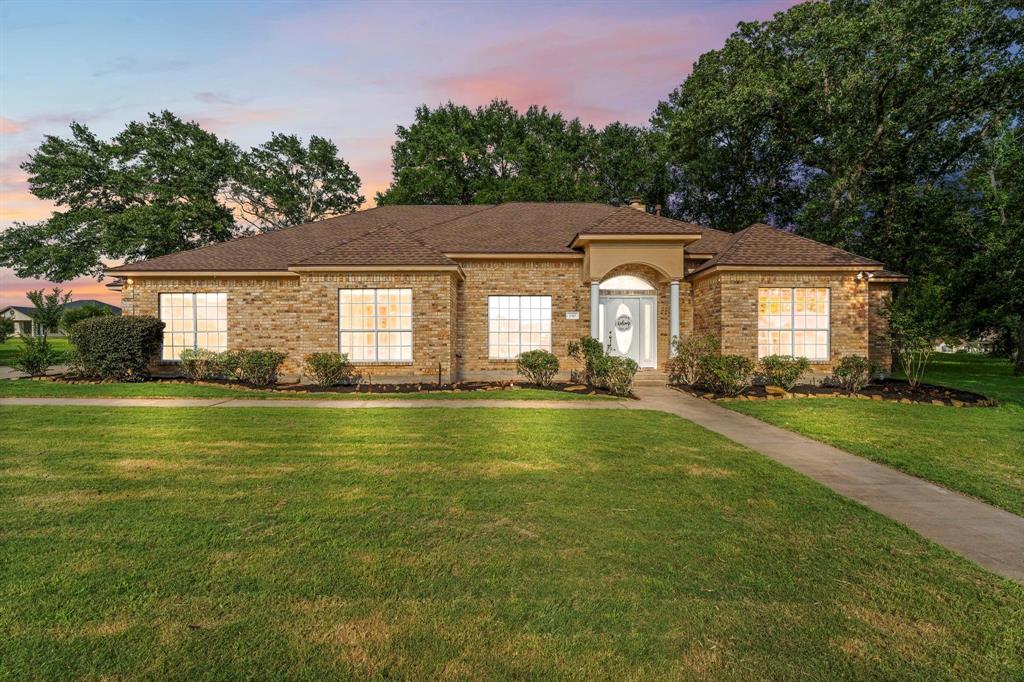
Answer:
(165, 185)
(457, 155)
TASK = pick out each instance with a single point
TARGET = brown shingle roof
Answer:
(388, 245)
(711, 241)
(517, 227)
(763, 245)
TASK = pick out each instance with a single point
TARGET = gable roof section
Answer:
(711, 241)
(627, 220)
(761, 245)
(385, 246)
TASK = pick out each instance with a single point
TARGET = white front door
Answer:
(629, 328)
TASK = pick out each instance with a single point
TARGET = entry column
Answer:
(673, 313)
(595, 308)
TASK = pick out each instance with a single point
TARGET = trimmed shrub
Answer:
(227, 364)
(538, 366)
(119, 348)
(684, 366)
(259, 367)
(782, 370)
(853, 372)
(726, 374)
(616, 374)
(329, 369)
(588, 351)
(35, 356)
(200, 364)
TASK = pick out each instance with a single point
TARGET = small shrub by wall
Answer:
(853, 372)
(329, 369)
(726, 374)
(538, 366)
(782, 370)
(199, 364)
(259, 367)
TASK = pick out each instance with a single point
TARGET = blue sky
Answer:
(350, 71)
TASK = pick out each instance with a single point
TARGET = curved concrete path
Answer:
(990, 536)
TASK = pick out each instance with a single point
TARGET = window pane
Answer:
(516, 324)
(375, 325)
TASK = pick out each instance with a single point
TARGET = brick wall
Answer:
(706, 295)
(560, 279)
(879, 348)
(849, 311)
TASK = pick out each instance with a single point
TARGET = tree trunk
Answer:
(1018, 367)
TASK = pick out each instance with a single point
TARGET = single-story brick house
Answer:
(411, 292)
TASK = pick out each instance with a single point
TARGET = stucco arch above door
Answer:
(664, 258)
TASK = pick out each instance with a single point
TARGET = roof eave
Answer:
(853, 267)
(583, 238)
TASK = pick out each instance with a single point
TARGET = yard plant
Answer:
(684, 365)
(853, 372)
(726, 374)
(329, 369)
(782, 370)
(538, 366)
(119, 348)
(199, 364)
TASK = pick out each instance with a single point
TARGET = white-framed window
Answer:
(375, 325)
(793, 321)
(193, 321)
(516, 324)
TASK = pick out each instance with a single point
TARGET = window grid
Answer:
(516, 324)
(375, 325)
(794, 322)
(193, 320)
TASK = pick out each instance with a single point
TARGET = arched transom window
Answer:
(625, 283)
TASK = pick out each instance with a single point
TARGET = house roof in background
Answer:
(761, 245)
(27, 309)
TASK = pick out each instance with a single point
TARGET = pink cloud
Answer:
(9, 126)
(13, 289)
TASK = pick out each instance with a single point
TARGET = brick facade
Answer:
(298, 314)
(879, 348)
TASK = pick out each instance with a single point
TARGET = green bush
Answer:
(259, 367)
(200, 364)
(782, 370)
(538, 366)
(227, 364)
(329, 369)
(6, 329)
(853, 372)
(35, 356)
(616, 374)
(684, 365)
(588, 351)
(119, 348)
(726, 374)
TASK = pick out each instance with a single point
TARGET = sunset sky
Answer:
(348, 71)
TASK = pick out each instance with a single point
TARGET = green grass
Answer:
(24, 388)
(480, 544)
(10, 347)
(978, 451)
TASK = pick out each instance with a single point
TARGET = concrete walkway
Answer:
(990, 536)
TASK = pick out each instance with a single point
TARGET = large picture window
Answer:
(516, 324)
(793, 321)
(193, 321)
(375, 325)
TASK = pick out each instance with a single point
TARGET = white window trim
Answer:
(195, 319)
(793, 330)
(411, 329)
(551, 334)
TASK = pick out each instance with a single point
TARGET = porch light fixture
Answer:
(864, 275)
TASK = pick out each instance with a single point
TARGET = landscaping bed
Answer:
(893, 390)
(362, 388)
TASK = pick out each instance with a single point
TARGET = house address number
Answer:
(572, 314)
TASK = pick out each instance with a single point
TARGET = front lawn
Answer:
(10, 347)
(476, 544)
(22, 388)
(978, 451)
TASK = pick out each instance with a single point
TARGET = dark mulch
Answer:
(460, 387)
(895, 390)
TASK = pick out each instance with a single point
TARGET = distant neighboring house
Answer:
(414, 293)
(986, 343)
(22, 316)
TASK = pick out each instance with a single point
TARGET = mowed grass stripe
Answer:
(473, 543)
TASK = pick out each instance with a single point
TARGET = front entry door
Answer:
(622, 320)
